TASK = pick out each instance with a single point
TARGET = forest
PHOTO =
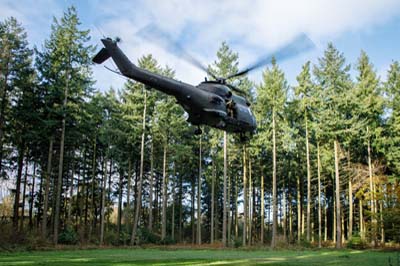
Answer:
(83, 164)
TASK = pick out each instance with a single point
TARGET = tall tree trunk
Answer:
(180, 207)
(224, 193)
(308, 182)
(24, 196)
(82, 194)
(103, 201)
(71, 193)
(319, 198)
(350, 229)
(262, 209)
(21, 155)
(302, 215)
(244, 195)
(216, 216)
(199, 195)
(250, 204)
(128, 191)
(325, 213)
(39, 213)
(164, 195)
(192, 210)
(61, 164)
(173, 207)
(134, 194)
(120, 192)
(299, 206)
(229, 229)
(109, 190)
(78, 193)
(139, 195)
(236, 208)
(269, 204)
(342, 226)
(372, 195)
(212, 200)
(362, 234)
(31, 197)
(284, 220)
(47, 188)
(4, 101)
(92, 206)
(290, 210)
(334, 218)
(87, 176)
(337, 188)
(381, 222)
(274, 192)
(151, 187)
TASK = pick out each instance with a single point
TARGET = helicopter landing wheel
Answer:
(198, 131)
(243, 137)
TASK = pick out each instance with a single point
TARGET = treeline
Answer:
(123, 166)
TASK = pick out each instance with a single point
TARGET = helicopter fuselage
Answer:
(209, 103)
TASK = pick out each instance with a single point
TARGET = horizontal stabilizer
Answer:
(101, 56)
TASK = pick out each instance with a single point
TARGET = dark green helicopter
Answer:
(212, 102)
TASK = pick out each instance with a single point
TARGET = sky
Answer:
(251, 28)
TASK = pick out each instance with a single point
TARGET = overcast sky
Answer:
(251, 28)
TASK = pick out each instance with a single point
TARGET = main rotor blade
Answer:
(156, 35)
(236, 89)
(299, 45)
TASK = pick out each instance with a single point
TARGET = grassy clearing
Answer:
(150, 256)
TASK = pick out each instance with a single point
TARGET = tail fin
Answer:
(101, 56)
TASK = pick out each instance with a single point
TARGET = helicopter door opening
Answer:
(231, 108)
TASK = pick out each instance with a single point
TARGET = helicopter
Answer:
(214, 103)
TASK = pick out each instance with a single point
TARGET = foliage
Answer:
(148, 237)
(356, 242)
(75, 147)
(68, 237)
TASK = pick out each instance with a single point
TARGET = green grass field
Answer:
(149, 256)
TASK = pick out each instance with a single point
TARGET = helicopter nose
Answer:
(254, 124)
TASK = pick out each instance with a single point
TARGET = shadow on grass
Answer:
(194, 257)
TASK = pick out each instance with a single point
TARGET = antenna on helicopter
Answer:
(99, 30)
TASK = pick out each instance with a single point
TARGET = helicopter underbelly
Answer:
(238, 121)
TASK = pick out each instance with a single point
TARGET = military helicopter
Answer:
(212, 102)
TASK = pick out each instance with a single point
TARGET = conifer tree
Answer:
(271, 101)
(226, 64)
(64, 67)
(303, 91)
(17, 81)
(332, 75)
(392, 91)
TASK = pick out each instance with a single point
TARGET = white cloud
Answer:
(35, 16)
(251, 27)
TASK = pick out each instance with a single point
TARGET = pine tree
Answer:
(392, 88)
(64, 69)
(369, 111)
(271, 101)
(17, 81)
(139, 99)
(226, 64)
(332, 75)
(303, 91)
